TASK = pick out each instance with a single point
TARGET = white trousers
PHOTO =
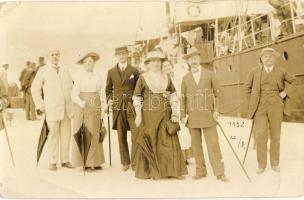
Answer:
(59, 139)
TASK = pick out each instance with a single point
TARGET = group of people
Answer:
(26, 79)
(149, 105)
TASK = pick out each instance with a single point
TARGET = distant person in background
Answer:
(22, 74)
(56, 82)
(3, 75)
(283, 12)
(21, 77)
(27, 79)
(33, 65)
(41, 63)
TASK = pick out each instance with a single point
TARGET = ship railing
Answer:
(261, 29)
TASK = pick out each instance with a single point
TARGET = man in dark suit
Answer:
(266, 93)
(121, 81)
(26, 78)
(200, 101)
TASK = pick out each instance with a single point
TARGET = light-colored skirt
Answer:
(91, 117)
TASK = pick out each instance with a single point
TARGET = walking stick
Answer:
(7, 139)
(109, 133)
(251, 130)
(238, 159)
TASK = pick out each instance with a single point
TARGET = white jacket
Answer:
(57, 92)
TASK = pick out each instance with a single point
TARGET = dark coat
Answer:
(253, 88)
(120, 88)
(200, 100)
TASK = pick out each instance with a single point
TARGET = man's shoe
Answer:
(125, 168)
(180, 177)
(98, 168)
(276, 169)
(223, 178)
(89, 169)
(199, 176)
(67, 165)
(52, 167)
(260, 171)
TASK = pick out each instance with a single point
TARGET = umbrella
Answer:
(42, 139)
(145, 147)
(83, 139)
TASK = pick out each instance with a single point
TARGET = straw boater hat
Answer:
(93, 55)
(191, 52)
(153, 55)
(269, 51)
(123, 49)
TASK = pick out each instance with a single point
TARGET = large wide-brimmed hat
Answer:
(123, 49)
(93, 55)
(191, 52)
(269, 50)
(154, 55)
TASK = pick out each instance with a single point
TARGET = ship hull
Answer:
(232, 71)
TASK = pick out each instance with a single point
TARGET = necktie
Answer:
(57, 69)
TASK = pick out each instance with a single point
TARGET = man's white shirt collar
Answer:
(122, 66)
(268, 69)
(197, 75)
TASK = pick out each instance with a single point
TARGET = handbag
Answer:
(172, 127)
(102, 132)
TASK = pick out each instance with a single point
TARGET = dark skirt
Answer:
(90, 116)
(165, 147)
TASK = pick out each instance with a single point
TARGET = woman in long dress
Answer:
(176, 73)
(88, 98)
(155, 103)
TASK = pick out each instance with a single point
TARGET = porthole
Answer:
(285, 55)
(229, 68)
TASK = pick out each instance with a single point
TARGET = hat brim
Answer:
(149, 59)
(275, 54)
(190, 55)
(121, 51)
(95, 58)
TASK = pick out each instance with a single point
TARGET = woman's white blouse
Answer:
(87, 82)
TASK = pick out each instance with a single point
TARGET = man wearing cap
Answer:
(200, 101)
(266, 93)
(121, 81)
(28, 99)
(41, 62)
(56, 83)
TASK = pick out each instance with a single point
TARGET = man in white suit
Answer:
(56, 83)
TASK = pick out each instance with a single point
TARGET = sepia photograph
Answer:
(151, 99)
